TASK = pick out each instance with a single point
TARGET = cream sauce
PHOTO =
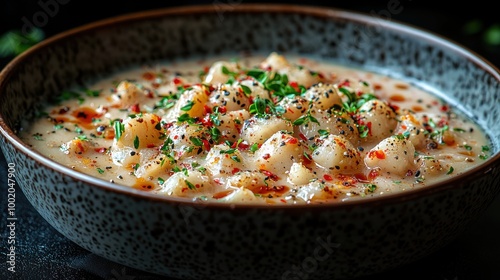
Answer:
(209, 145)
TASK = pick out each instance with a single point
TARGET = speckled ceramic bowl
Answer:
(186, 240)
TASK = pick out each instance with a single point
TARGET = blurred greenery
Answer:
(488, 34)
(14, 42)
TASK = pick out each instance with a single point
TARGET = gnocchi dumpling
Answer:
(393, 155)
(337, 154)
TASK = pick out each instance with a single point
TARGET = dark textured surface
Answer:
(43, 251)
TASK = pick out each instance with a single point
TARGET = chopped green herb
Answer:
(235, 158)
(196, 141)
(246, 89)
(100, 170)
(254, 147)
(188, 106)
(450, 170)
(119, 129)
(136, 142)
(371, 187)
(190, 185)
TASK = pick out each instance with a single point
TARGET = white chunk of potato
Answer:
(128, 94)
(231, 124)
(392, 155)
(153, 164)
(232, 98)
(337, 154)
(275, 62)
(222, 161)
(182, 185)
(140, 131)
(216, 73)
(301, 75)
(410, 127)
(258, 130)
(76, 147)
(323, 96)
(334, 123)
(295, 73)
(241, 195)
(316, 192)
(356, 85)
(299, 174)
(252, 180)
(379, 118)
(184, 138)
(278, 153)
(430, 166)
(294, 107)
(124, 156)
(256, 89)
(191, 102)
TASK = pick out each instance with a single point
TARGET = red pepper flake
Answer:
(222, 194)
(150, 145)
(207, 109)
(100, 150)
(373, 174)
(177, 81)
(442, 122)
(327, 177)
(302, 137)
(377, 154)
(369, 125)
(345, 83)
(361, 177)
(269, 174)
(394, 107)
(235, 170)
(206, 144)
(217, 181)
(306, 159)
(295, 86)
(135, 109)
(243, 146)
(148, 76)
(292, 141)
(444, 108)
(206, 121)
(222, 109)
(266, 156)
(283, 200)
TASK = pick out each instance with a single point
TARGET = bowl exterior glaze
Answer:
(186, 240)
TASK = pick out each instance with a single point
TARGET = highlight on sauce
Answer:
(258, 129)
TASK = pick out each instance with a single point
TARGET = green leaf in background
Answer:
(15, 42)
(492, 35)
(472, 27)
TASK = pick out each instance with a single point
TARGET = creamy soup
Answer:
(265, 129)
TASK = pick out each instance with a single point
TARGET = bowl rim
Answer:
(317, 11)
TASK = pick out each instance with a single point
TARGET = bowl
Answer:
(183, 239)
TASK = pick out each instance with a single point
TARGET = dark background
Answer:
(43, 253)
